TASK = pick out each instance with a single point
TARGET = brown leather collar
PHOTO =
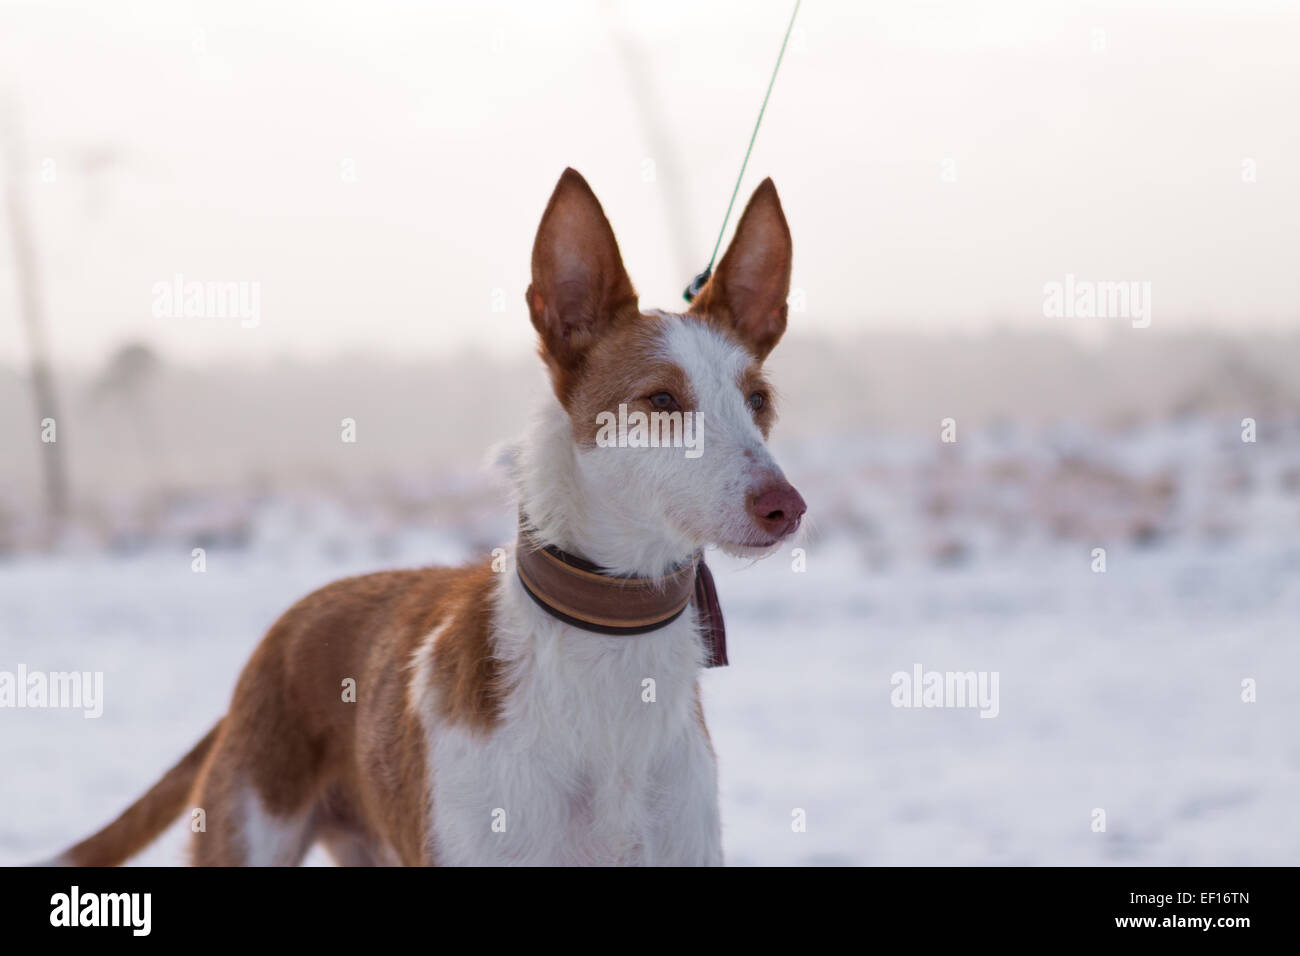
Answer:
(579, 593)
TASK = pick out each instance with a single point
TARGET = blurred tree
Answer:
(128, 371)
(31, 309)
(123, 388)
(662, 137)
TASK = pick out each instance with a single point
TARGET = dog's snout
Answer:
(777, 509)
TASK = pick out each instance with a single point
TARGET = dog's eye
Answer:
(664, 401)
(757, 401)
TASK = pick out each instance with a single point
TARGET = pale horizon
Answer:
(938, 166)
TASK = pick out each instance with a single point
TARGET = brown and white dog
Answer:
(484, 729)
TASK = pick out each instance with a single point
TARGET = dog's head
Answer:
(669, 412)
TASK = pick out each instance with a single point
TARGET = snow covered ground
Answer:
(1119, 691)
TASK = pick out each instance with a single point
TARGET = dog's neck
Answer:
(570, 510)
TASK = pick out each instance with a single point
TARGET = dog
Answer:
(550, 716)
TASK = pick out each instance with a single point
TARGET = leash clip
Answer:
(697, 284)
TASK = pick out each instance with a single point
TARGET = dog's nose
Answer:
(777, 509)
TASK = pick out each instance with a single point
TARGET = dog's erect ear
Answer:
(747, 291)
(580, 288)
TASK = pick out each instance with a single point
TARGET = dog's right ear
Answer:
(580, 288)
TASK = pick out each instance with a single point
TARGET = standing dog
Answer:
(547, 716)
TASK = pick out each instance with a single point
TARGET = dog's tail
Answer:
(142, 822)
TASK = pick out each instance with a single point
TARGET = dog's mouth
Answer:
(750, 549)
(750, 545)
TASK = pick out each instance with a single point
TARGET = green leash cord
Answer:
(697, 283)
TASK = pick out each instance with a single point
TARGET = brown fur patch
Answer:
(699, 719)
(351, 773)
(752, 380)
(467, 674)
(626, 367)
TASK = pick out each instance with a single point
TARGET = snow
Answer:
(1119, 690)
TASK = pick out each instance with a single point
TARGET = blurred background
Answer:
(370, 176)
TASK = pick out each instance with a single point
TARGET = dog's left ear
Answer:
(747, 291)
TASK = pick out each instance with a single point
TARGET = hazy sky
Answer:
(379, 168)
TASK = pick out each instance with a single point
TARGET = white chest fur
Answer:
(600, 756)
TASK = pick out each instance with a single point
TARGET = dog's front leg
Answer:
(688, 827)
